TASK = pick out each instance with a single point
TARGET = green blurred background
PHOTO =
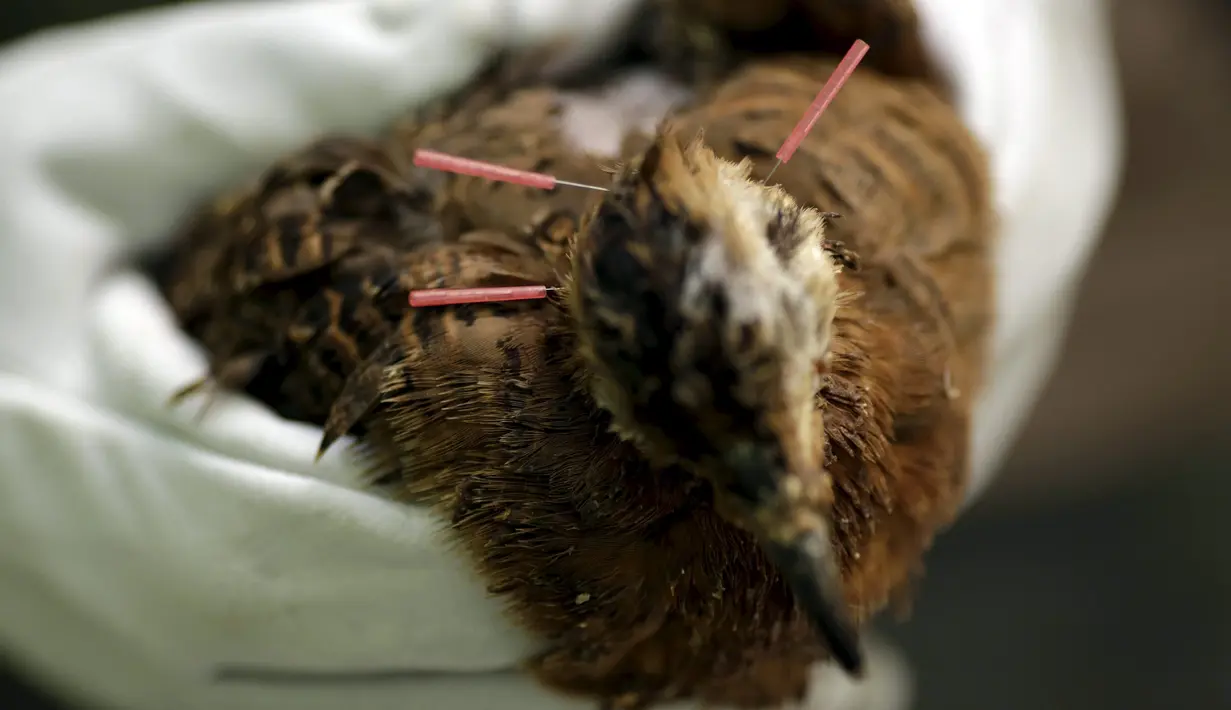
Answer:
(1097, 572)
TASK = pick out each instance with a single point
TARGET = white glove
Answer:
(140, 548)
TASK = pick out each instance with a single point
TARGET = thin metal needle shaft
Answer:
(578, 184)
(772, 171)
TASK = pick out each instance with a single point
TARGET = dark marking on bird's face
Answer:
(666, 322)
(704, 336)
(628, 285)
(784, 233)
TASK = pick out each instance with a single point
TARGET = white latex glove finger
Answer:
(150, 546)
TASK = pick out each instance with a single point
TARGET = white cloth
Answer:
(139, 547)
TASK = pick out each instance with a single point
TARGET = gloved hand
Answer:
(140, 548)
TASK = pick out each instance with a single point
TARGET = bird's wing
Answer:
(297, 285)
(523, 131)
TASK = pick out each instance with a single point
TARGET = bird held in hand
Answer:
(695, 468)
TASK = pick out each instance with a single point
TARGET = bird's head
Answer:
(705, 304)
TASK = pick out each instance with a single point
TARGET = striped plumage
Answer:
(626, 460)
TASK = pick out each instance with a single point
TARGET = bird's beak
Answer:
(797, 540)
(807, 563)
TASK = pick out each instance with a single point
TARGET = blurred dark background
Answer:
(1097, 572)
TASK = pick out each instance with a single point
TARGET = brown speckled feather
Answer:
(625, 461)
(912, 190)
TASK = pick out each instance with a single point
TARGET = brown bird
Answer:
(729, 436)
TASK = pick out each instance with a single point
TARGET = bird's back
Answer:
(294, 280)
